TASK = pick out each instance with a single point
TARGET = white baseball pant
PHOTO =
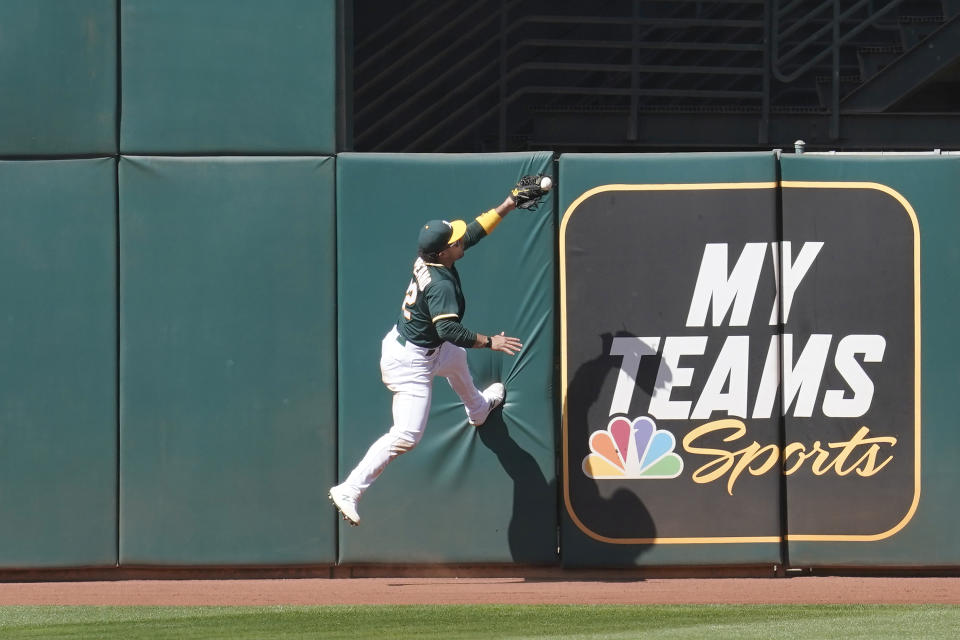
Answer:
(408, 371)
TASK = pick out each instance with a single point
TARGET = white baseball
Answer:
(546, 183)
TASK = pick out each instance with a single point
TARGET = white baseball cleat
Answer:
(345, 504)
(495, 395)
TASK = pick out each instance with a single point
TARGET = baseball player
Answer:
(429, 340)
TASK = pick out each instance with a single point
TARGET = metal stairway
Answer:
(459, 75)
(928, 54)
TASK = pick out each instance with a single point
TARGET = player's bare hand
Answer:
(506, 344)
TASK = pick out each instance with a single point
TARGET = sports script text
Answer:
(731, 293)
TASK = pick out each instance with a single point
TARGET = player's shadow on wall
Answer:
(531, 533)
(535, 499)
(623, 512)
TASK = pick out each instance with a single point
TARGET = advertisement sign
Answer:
(718, 356)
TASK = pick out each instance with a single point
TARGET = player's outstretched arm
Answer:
(506, 207)
(526, 195)
(488, 221)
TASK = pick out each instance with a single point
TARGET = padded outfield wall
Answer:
(731, 359)
(781, 344)
(168, 383)
(632, 235)
(898, 269)
(227, 326)
(463, 494)
(758, 360)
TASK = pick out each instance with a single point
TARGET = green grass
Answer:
(767, 622)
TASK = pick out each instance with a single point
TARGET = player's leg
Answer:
(452, 365)
(410, 378)
(410, 410)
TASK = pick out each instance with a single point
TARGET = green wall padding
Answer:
(228, 381)
(629, 259)
(58, 364)
(58, 77)
(462, 495)
(241, 76)
(875, 235)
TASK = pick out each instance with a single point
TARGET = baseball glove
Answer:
(530, 190)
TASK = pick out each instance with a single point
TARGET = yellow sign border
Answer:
(565, 376)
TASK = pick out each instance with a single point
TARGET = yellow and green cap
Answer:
(436, 235)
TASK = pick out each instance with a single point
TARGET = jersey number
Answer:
(409, 299)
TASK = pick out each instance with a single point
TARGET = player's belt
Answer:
(403, 342)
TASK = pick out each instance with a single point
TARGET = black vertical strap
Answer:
(835, 76)
(782, 422)
(116, 194)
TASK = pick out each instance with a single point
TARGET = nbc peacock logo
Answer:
(635, 450)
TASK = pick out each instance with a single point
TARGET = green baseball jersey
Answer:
(434, 294)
